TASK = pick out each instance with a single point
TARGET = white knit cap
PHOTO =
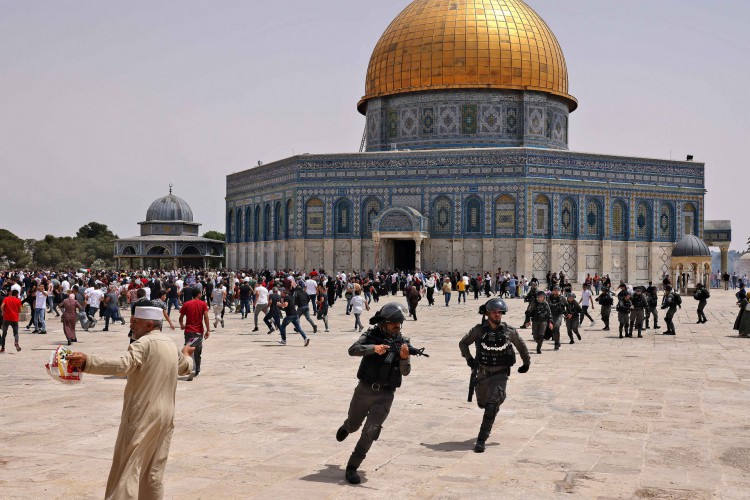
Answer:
(152, 313)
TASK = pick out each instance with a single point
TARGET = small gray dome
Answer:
(691, 246)
(169, 208)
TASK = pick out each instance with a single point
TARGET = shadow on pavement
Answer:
(333, 474)
(467, 445)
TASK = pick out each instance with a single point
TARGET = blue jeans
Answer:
(175, 302)
(276, 320)
(305, 311)
(245, 307)
(447, 298)
(111, 313)
(39, 323)
(461, 294)
(293, 320)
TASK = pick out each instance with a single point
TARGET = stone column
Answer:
(724, 259)
(328, 263)
(525, 257)
(376, 242)
(632, 262)
(606, 260)
(140, 263)
(418, 253)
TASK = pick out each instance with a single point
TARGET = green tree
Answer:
(13, 251)
(95, 230)
(214, 235)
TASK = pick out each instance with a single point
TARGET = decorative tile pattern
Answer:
(442, 217)
(469, 119)
(568, 258)
(315, 217)
(392, 124)
(491, 119)
(473, 215)
(505, 216)
(428, 121)
(409, 122)
(448, 120)
(535, 120)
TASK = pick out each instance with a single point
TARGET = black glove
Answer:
(523, 369)
(472, 363)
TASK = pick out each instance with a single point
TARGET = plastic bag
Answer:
(58, 368)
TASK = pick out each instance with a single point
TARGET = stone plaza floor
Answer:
(658, 417)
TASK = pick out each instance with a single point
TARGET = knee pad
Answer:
(372, 431)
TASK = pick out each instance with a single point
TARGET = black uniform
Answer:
(652, 299)
(572, 319)
(557, 306)
(379, 377)
(605, 300)
(540, 315)
(494, 358)
(636, 317)
(623, 314)
(702, 295)
(670, 302)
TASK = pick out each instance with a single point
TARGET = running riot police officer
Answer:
(380, 372)
(557, 306)
(670, 302)
(494, 341)
(605, 300)
(540, 317)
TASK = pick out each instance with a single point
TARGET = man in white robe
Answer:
(151, 365)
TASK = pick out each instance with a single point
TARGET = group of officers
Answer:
(386, 353)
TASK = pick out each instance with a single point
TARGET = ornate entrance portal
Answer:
(403, 229)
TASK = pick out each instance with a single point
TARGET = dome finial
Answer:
(170, 188)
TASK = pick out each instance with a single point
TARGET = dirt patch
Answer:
(668, 494)
(739, 458)
(572, 481)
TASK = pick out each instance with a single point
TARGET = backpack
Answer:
(677, 300)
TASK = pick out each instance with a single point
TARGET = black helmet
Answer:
(496, 304)
(540, 293)
(571, 296)
(390, 313)
(667, 287)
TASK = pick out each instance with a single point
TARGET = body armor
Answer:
(384, 370)
(557, 305)
(494, 348)
(639, 301)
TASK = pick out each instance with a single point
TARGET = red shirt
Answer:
(12, 309)
(193, 311)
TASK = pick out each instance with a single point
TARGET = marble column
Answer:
(724, 259)
(376, 242)
(418, 253)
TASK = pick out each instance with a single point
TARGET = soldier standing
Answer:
(670, 302)
(623, 313)
(530, 298)
(605, 300)
(557, 306)
(540, 317)
(494, 342)
(639, 308)
(652, 299)
(380, 373)
(572, 317)
(701, 295)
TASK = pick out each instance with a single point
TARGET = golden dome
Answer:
(467, 44)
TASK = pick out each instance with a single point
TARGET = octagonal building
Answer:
(465, 165)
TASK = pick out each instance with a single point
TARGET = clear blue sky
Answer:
(105, 103)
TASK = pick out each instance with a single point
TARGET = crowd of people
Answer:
(280, 299)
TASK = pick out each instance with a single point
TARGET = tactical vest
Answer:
(556, 304)
(494, 348)
(385, 369)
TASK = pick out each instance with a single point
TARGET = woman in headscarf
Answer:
(70, 308)
(742, 324)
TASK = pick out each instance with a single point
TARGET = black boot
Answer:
(539, 347)
(621, 331)
(341, 434)
(557, 347)
(351, 475)
(640, 334)
(479, 446)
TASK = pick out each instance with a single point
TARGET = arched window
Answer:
(666, 222)
(688, 212)
(314, 217)
(473, 216)
(541, 216)
(442, 217)
(505, 216)
(267, 222)
(248, 220)
(238, 226)
(593, 218)
(619, 220)
(278, 230)
(643, 222)
(370, 210)
(568, 218)
(256, 224)
(230, 226)
(287, 218)
(343, 218)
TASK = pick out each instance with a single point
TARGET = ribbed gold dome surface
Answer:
(467, 44)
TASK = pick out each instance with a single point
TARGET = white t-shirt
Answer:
(586, 298)
(95, 298)
(262, 294)
(311, 287)
(358, 304)
(179, 284)
(217, 296)
(148, 292)
(41, 300)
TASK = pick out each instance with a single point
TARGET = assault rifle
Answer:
(472, 384)
(394, 349)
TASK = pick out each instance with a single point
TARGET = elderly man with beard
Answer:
(151, 365)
